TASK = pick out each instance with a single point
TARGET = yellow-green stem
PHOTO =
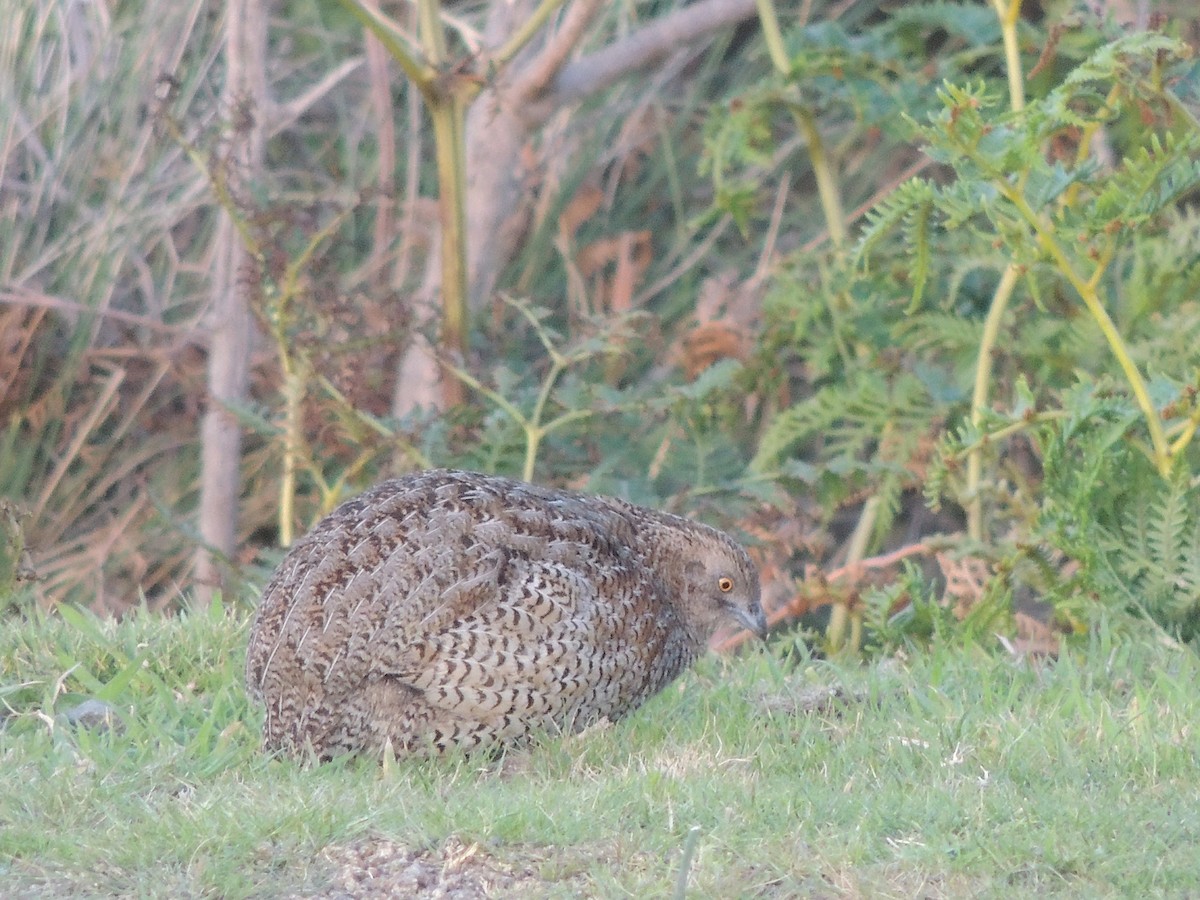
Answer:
(418, 70)
(430, 31)
(1187, 431)
(526, 31)
(773, 36)
(533, 425)
(533, 442)
(835, 631)
(1009, 14)
(841, 614)
(831, 202)
(1086, 288)
(447, 119)
(1012, 428)
(979, 397)
(544, 393)
(447, 104)
(447, 100)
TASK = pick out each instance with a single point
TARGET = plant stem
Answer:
(447, 98)
(431, 33)
(841, 615)
(1086, 288)
(685, 863)
(827, 190)
(447, 120)
(418, 70)
(979, 397)
(1009, 13)
(1186, 432)
(1000, 434)
(447, 101)
(533, 425)
(831, 202)
(524, 34)
(495, 396)
(773, 36)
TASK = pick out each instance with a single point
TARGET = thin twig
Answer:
(597, 71)
(768, 252)
(25, 297)
(536, 76)
(284, 115)
(530, 27)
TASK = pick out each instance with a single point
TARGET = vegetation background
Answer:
(906, 295)
(229, 301)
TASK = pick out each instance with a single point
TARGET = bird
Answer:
(450, 610)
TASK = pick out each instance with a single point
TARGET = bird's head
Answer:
(722, 586)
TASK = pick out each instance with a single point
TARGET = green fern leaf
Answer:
(890, 213)
(916, 234)
(1168, 527)
(1150, 180)
(1122, 56)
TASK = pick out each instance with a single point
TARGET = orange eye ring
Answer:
(725, 584)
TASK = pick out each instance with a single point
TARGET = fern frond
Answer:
(939, 331)
(1147, 557)
(916, 236)
(803, 421)
(1169, 526)
(1119, 58)
(849, 417)
(1189, 571)
(1083, 97)
(964, 200)
(1151, 179)
(889, 213)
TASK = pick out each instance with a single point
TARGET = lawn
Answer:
(949, 773)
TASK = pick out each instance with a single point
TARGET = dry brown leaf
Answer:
(585, 204)
(723, 296)
(711, 342)
(18, 328)
(629, 253)
(966, 579)
(725, 313)
(634, 253)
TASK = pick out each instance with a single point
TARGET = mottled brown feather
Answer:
(455, 610)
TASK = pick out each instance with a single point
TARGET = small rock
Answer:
(92, 713)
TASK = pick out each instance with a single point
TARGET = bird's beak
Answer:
(754, 619)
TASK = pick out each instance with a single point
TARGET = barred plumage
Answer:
(452, 609)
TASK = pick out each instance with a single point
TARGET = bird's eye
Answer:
(725, 584)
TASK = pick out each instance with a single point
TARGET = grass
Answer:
(954, 773)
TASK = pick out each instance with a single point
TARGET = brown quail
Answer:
(451, 609)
